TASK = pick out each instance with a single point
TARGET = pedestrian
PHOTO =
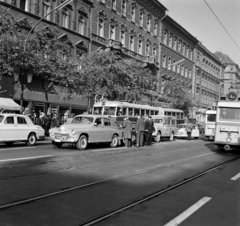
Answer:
(127, 132)
(55, 121)
(140, 131)
(44, 121)
(189, 130)
(149, 127)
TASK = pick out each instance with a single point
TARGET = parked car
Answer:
(182, 131)
(164, 127)
(16, 127)
(85, 129)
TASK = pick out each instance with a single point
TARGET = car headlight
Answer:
(73, 132)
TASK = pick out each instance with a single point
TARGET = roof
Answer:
(9, 104)
(172, 110)
(224, 58)
(211, 112)
(229, 104)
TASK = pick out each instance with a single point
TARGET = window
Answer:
(148, 23)
(155, 27)
(191, 53)
(21, 120)
(186, 72)
(122, 37)
(178, 68)
(187, 52)
(24, 5)
(183, 49)
(133, 13)
(100, 27)
(106, 122)
(114, 4)
(164, 61)
(9, 120)
(170, 41)
(179, 46)
(140, 46)
(169, 63)
(81, 25)
(112, 32)
(165, 38)
(154, 51)
(182, 70)
(147, 49)
(124, 7)
(141, 19)
(46, 9)
(175, 44)
(131, 44)
(174, 66)
(65, 19)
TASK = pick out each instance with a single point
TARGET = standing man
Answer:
(189, 130)
(127, 132)
(149, 130)
(140, 131)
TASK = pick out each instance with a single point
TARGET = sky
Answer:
(196, 17)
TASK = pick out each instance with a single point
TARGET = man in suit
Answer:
(140, 128)
(149, 128)
(127, 132)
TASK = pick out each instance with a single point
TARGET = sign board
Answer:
(232, 96)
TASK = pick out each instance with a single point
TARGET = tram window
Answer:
(97, 110)
(231, 114)
(173, 114)
(169, 113)
(136, 112)
(130, 111)
(147, 112)
(124, 111)
(167, 122)
(211, 118)
(119, 111)
(109, 110)
(174, 122)
(142, 112)
(152, 113)
(156, 112)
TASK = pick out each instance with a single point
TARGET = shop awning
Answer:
(9, 104)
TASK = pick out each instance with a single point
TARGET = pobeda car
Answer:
(16, 128)
(85, 129)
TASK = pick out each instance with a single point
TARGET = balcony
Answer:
(115, 45)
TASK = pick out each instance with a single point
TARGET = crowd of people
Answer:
(144, 129)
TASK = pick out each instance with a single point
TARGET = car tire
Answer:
(157, 138)
(56, 144)
(82, 143)
(9, 144)
(171, 138)
(32, 139)
(114, 142)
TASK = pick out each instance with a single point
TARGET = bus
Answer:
(227, 132)
(210, 121)
(178, 114)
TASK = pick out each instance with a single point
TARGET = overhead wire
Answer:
(222, 24)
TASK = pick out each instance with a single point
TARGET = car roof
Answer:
(9, 114)
(93, 115)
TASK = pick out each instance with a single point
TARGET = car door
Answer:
(10, 129)
(99, 130)
(108, 130)
(23, 128)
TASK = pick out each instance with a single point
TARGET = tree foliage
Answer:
(178, 95)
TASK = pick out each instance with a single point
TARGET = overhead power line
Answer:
(222, 25)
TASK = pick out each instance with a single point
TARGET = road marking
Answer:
(184, 215)
(236, 177)
(7, 149)
(27, 158)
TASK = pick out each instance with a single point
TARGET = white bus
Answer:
(210, 121)
(227, 132)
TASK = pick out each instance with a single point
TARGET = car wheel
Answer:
(171, 138)
(82, 143)
(9, 144)
(114, 142)
(31, 139)
(56, 144)
(157, 138)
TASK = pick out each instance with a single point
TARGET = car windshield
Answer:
(1, 118)
(229, 114)
(83, 119)
(211, 118)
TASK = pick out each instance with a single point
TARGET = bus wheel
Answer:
(157, 138)
(171, 138)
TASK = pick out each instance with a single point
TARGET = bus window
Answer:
(173, 113)
(130, 111)
(109, 110)
(97, 110)
(119, 111)
(124, 111)
(147, 112)
(173, 122)
(211, 118)
(152, 113)
(167, 122)
(136, 112)
(142, 112)
(230, 114)
(169, 114)
(156, 113)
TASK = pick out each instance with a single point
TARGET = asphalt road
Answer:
(45, 186)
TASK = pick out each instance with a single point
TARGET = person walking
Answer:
(55, 121)
(149, 127)
(140, 131)
(127, 132)
(189, 131)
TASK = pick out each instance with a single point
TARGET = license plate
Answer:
(229, 129)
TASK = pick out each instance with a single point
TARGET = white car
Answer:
(16, 127)
(182, 132)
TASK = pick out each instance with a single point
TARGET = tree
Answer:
(177, 95)
(115, 78)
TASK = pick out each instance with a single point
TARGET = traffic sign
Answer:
(232, 96)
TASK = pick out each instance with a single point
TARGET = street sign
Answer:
(232, 96)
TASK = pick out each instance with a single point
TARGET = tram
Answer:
(210, 121)
(227, 132)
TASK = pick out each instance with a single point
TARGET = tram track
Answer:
(119, 176)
